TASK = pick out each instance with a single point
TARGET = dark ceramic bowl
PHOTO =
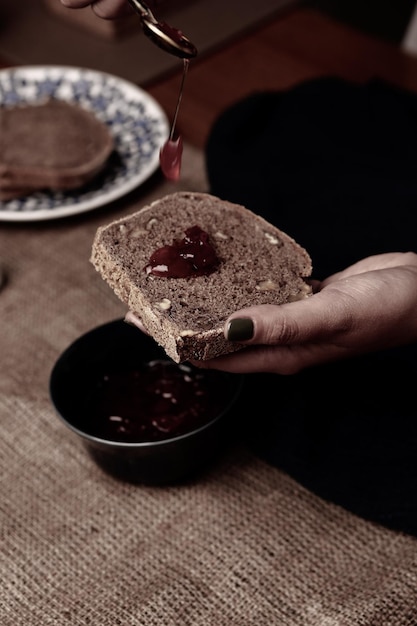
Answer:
(142, 417)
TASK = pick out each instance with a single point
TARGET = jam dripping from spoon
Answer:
(174, 42)
(170, 155)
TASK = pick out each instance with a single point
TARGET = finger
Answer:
(284, 360)
(375, 262)
(109, 9)
(294, 323)
(134, 320)
(75, 4)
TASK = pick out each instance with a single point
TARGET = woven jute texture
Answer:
(242, 545)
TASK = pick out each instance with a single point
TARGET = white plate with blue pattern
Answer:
(137, 122)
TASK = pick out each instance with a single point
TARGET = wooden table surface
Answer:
(298, 44)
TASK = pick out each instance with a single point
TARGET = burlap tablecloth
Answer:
(243, 545)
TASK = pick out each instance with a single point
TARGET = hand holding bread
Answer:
(368, 306)
(260, 298)
(258, 264)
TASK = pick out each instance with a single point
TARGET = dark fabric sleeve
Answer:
(334, 164)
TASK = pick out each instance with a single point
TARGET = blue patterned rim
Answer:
(136, 120)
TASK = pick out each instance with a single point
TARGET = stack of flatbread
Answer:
(50, 145)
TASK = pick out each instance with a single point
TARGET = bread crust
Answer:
(259, 264)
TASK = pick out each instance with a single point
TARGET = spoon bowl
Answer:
(163, 35)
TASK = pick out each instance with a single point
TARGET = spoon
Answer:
(171, 152)
(161, 34)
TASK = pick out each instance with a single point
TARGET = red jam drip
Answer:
(170, 158)
(174, 33)
(170, 155)
(158, 401)
(191, 256)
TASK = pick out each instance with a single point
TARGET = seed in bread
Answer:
(258, 264)
(50, 145)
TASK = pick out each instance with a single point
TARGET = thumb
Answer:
(291, 323)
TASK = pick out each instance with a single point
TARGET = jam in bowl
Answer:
(142, 417)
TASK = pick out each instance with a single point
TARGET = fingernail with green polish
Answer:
(240, 329)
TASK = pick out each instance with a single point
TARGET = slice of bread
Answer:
(52, 145)
(259, 264)
(13, 193)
